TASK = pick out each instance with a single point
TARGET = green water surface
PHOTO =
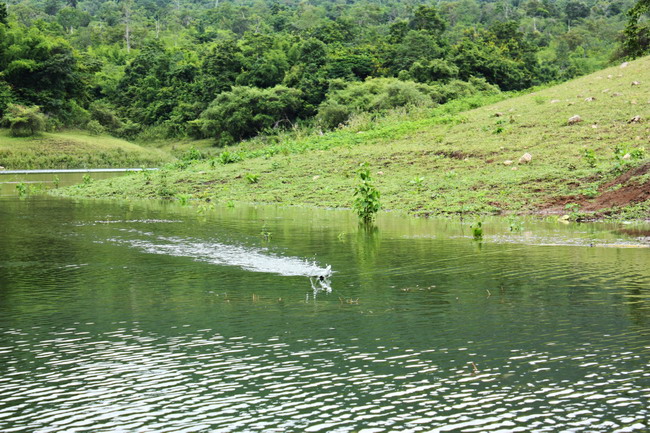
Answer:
(160, 318)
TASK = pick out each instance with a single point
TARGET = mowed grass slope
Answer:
(74, 149)
(450, 163)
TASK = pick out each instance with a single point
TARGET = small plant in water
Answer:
(87, 179)
(515, 224)
(230, 204)
(21, 188)
(266, 234)
(183, 199)
(56, 181)
(366, 202)
(477, 231)
(574, 212)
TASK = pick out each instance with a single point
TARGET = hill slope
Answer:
(74, 149)
(452, 163)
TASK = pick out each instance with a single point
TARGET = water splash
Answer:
(247, 258)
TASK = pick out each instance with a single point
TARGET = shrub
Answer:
(24, 121)
(246, 111)
(129, 130)
(95, 128)
(332, 114)
(372, 95)
(104, 114)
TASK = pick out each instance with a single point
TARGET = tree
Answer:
(3, 13)
(220, 67)
(637, 36)
(42, 70)
(575, 10)
(427, 18)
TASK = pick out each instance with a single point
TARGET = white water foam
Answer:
(250, 259)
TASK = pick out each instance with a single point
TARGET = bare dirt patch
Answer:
(628, 192)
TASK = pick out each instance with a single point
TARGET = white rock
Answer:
(635, 119)
(574, 119)
(635, 83)
(624, 65)
(508, 162)
(525, 158)
(627, 156)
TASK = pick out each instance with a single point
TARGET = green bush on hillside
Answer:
(246, 111)
(24, 121)
(377, 95)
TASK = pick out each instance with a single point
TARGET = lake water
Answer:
(144, 317)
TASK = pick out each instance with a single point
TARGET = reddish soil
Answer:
(629, 193)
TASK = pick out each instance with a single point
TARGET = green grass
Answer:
(456, 153)
(74, 149)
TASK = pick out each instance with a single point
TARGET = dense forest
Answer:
(231, 69)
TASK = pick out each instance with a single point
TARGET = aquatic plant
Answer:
(515, 223)
(87, 179)
(56, 181)
(366, 202)
(477, 231)
(183, 199)
(266, 234)
(21, 188)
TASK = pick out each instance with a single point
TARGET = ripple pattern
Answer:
(129, 380)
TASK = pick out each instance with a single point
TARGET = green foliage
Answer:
(252, 177)
(373, 95)
(477, 231)
(226, 157)
(183, 199)
(245, 111)
(95, 128)
(366, 201)
(24, 121)
(515, 224)
(589, 155)
(21, 189)
(3, 13)
(149, 70)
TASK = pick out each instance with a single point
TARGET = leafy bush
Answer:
(129, 130)
(246, 111)
(24, 121)
(105, 115)
(372, 95)
(95, 128)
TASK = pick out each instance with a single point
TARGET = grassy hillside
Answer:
(448, 161)
(74, 149)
